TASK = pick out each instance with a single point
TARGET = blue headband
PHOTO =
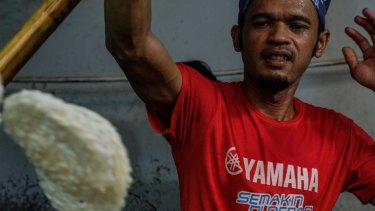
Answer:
(321, 7)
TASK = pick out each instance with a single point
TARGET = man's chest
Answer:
(263, 167)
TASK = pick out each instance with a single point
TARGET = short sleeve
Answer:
(194, 101)
(361, 180)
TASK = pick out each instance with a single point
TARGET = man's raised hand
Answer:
(362, 71)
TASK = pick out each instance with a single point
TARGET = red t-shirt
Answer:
(229, 156)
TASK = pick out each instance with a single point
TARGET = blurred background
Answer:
(74, 65)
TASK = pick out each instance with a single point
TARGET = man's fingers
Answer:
(367, 25)
(367, 22)
(350, 57)
(361, 41)
(370, 15)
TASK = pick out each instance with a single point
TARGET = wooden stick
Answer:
(32, 35)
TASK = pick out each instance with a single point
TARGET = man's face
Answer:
(278, 39)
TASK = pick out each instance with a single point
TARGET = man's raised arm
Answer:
(363, 71)
(143, 58)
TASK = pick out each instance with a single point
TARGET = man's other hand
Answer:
(362, 71)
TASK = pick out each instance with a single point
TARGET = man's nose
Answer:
(279, 34)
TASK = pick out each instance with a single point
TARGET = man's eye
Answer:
(261, 24)
(298, 27)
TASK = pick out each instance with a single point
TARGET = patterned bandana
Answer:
(321, 7)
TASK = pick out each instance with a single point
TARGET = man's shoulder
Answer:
(315, 111)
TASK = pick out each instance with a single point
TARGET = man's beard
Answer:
(273, 83)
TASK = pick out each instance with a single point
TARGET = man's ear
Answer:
(322, 43)
(236, 38)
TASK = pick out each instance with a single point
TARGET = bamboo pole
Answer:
(32, 35)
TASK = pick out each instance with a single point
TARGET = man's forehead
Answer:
(293, 16)
(321, 6)
(276, 9)
(282, 5)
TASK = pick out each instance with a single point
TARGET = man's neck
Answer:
(276, 105)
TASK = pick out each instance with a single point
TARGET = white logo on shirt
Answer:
(232, 162)
(273, 174)
(277, 202)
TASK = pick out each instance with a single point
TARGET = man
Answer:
(252, 145)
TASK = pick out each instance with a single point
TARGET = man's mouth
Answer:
(277, 58)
